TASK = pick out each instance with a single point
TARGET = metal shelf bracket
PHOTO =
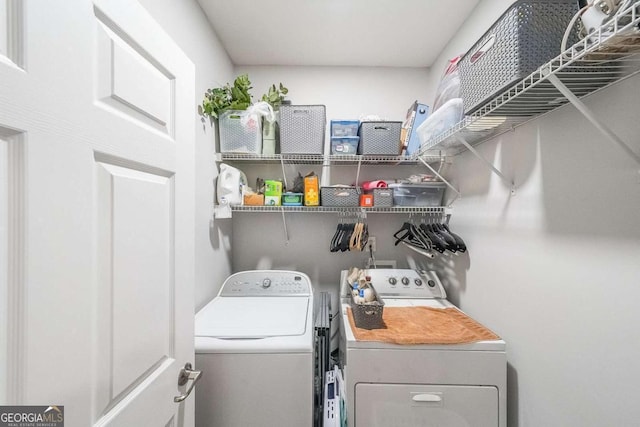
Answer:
(495, 170)
(455, 190)
(222, 211)
(589, 115)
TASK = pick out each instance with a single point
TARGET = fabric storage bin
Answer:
(526, 36)
(422, 194)
(382, 197)
(344, 145)
(344, 127)
(340, 196)
(302, 129)
(236, 137)
(380, 138)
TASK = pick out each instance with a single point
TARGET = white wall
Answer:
(186, 23)
(555, 269)
(258, 239)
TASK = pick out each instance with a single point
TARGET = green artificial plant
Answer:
(220, 99)
(275, 95)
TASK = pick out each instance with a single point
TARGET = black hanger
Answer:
(410, 234)
(448, 240)
(460, 245)
(438, 243)
(333, 246)
(403, 233)
(346, 237)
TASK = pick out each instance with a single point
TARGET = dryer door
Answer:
(394, 405)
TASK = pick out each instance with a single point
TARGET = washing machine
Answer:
(444, 385)
(254, 343)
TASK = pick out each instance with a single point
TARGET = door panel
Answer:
(11, 262)
(97, 212)
(130, 80)
(11, 32)
(135, 279)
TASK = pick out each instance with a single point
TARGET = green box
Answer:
(272, 188)
(272, 192)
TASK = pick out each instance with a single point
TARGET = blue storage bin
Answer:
(344, 145)
(344, 127)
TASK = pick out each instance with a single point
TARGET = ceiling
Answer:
(387, 33)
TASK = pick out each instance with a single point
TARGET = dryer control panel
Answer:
(264, 283)
(406, 283)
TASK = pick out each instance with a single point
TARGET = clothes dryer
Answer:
(444, 385)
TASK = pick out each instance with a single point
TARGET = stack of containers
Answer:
(344, 136)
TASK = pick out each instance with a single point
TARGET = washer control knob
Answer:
(431, 283)
(418, 282)
(405, 281)
(266, 283)
(392, 280)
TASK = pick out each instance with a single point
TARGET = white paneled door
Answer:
(96, 212)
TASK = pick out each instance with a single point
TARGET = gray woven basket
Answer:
(382, 197)
(368, 316)
(340, 196)
(302, 129)
(526, 36)
(380, 138)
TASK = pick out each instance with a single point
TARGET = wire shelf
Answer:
(432, 210)
(430, 156)
(605, 57)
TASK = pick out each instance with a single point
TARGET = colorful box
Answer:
(272, 192)
(366, 200)
(311, 191)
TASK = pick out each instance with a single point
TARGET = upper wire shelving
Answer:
(431, 156)
(606, 56)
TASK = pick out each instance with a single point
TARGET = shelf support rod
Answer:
(458, 195)
(488, 164)
(586, 112)
(284, 177)
(284, 226)
(358, 171)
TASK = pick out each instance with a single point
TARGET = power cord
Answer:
(608, 7)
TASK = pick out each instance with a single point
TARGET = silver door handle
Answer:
(426, 397)
(185, 375)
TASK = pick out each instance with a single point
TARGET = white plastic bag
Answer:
(449, 87)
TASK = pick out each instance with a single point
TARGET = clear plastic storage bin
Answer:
(240, 132)
(344, 145)
(344, 127)
(422, 194)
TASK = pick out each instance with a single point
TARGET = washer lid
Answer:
(252, 317)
